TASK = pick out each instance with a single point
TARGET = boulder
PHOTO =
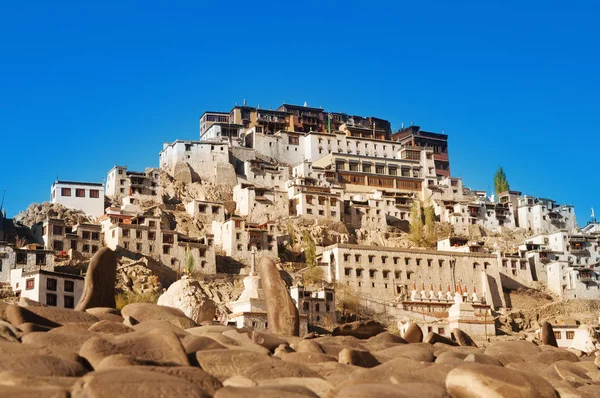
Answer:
(548, 337)
(282, 314)
(99, 285)
(359, 329)
(69, 338)
(135, 382)
(308, 346)
(110, 327)
(266, 340)
(395, 371)
(224, 364)
(266, 392)
(188, 296)
(319, 386)
(192, 374)
(462, 338)
(521, 348)
(148, 312)
(157, 346)
(387, 337)
(49, 317)
(41, 365)
(478, 380)
(276, 368)
(34, 392)
(585, 339)
(361, 358)
(9, 332)
(549, 357)
(482, 358)
(307, 357)
(413, 333)
(433, 338)
(403, 390)
(411, 351)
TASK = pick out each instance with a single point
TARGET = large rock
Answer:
(99, 285)
(433, 338)
(289, 391)
(135, 382)
(282, 314)
(188, 296)
(158, 346)
(521, 348)
(359, 329)
(41, 365)
(548, 337)
(151, 312)
(477, 380)
(50, 317)
(224, 364)
(404, 390)
(462, 338)
(361, 358)
(413, 333)
(585, 339)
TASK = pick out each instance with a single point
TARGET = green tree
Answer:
(313, 275)
(416, 223)
(189, 261)
(500, 181)
(430, 229)
(292, 233)
(310, 249)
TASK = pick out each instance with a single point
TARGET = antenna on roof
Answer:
(244, 101)
(258, 107)
(305, 104)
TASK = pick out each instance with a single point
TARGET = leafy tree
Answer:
(292, 233)
(346, 299)
(416, 223)
(189, 261)
(310, 249)
(430, 228)
(500, 181)
(313, 275)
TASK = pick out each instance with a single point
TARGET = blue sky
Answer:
(84, 86)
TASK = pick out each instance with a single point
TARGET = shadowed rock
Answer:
(471, 380)
(548, 337)
(359, 329)
(413, 333)
(433, 338)
(282, 314)
(142, 312)
(99, 285)
(463, 339)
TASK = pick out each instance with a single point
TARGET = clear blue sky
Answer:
(86, 85)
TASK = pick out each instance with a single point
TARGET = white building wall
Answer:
(91, 206)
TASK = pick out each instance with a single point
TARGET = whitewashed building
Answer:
(318, 305)
(50, 288)
(120, 182)
(56, 235)
(237, 237)
(85, 196)
(541, 216)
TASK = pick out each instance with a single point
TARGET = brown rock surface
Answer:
(477, 380)
(411, 351)
(151, 312)
(282, 314)
(33, 392)
(41, 365)
(387, 337)
(522, 348)
(549, 357)
(307, 357)
(99, 285)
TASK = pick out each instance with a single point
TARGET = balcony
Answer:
(580, 239)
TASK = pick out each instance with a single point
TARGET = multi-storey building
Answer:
(385, 273)
(317, 304)
(540, 216)
(85, 196)
(56, 235)
(206, 211)
(209, 118)
(120, 182)
(238, 237)
(143, 234)
(29, 258)
(414, 136)
(260, 205)
(53, 289)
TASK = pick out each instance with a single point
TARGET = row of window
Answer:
(397, 260)
(60, 230)
(80, 193)
(51, 284)
(59, 245)
(379, 169)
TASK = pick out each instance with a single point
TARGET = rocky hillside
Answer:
(37, 212)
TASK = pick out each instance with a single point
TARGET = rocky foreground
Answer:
(148, 350)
